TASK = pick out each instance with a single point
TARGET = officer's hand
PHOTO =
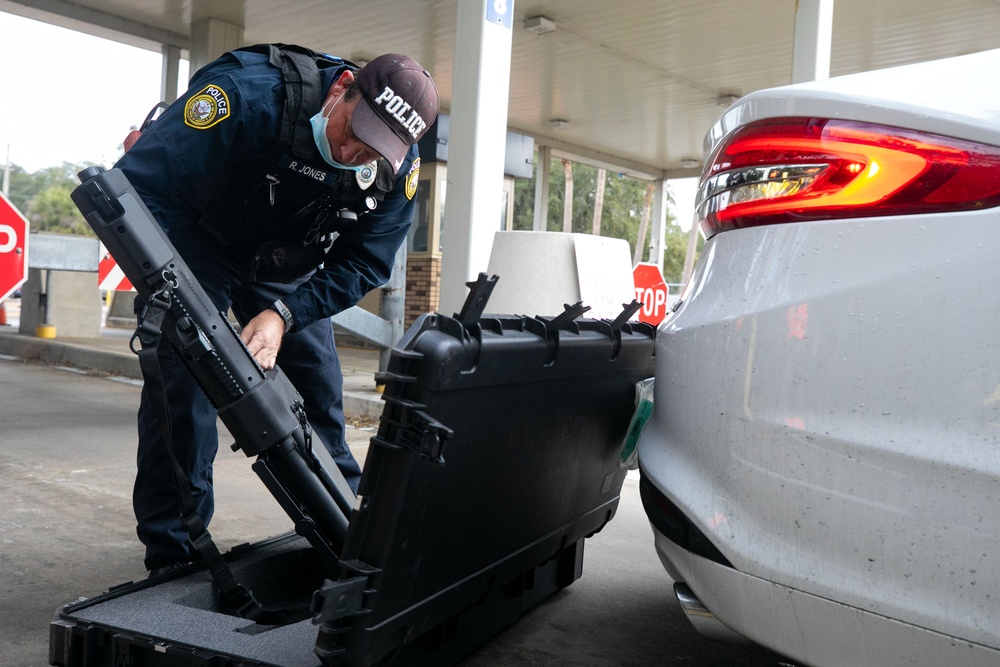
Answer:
(262, 336)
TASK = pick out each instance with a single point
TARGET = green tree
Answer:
(624, 199)
(52, 210)
(21, 187)
(43, 198)
(675, 249)
(63, 175)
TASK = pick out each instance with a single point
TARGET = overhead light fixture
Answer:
(689, 163)
(539, 25)
(558, 124)
(725, 99)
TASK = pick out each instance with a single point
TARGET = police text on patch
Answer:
(206, 108)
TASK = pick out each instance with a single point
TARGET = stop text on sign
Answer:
(651, 291)
(9, 238)
(654, 302)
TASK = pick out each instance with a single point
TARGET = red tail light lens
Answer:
(797, 169)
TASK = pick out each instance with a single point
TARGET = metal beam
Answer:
(370, 328)
(61, 252)
(681, 172)
(97, 23)
(612, 163)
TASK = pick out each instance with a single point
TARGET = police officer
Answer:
(286, 181)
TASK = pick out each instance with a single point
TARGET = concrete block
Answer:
(121, 312)
(67, 300)
(540, 272)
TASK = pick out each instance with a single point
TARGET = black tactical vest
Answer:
(291, 203)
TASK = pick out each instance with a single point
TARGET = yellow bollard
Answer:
(45, 331)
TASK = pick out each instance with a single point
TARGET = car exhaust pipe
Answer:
(704, 621)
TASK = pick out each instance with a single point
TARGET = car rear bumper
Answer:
(808, 628)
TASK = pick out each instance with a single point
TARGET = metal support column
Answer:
(210, 38)
(813, 39)
(170, 73)
(392, 305)
(480, 88)
(542, 189)
(658, 223)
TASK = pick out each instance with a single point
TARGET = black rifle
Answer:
(261, 409)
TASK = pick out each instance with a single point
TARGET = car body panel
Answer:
(828, 403)
(902, 464)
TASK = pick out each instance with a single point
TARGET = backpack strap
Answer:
(134, 135)
(234, 595)
(302, 90)
(300, 69)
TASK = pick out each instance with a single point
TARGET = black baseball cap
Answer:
(399, 101)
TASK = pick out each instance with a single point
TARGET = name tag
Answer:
(326, 176)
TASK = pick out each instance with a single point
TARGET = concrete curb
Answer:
(38, 350)
(362, 405)
(361, 400)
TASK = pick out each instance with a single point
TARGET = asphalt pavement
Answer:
(67, 421)
(109, 352)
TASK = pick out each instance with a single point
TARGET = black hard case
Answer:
(496, 455)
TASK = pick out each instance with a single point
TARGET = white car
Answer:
(822, 468)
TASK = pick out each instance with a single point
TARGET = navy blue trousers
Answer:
(307, 356)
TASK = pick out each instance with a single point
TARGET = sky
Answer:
(684, 191)
(70, 97)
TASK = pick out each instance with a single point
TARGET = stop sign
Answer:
(13, 248)
(651, 290)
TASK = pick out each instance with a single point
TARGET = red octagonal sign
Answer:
(651, 290)
(13, 248)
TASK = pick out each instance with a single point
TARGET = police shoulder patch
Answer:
(411, 179)
(206, 108)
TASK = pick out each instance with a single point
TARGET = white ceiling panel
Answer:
(635, 79)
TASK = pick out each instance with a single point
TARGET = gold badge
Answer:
(206, 108)
(411, 179)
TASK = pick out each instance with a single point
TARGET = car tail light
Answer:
(797, 169)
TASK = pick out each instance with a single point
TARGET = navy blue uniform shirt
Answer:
(216, 137)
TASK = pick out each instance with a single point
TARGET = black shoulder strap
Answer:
(237, 597)
(302, 91)
(300, 68)
(385, 178)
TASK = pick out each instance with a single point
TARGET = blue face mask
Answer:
(319, 122)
